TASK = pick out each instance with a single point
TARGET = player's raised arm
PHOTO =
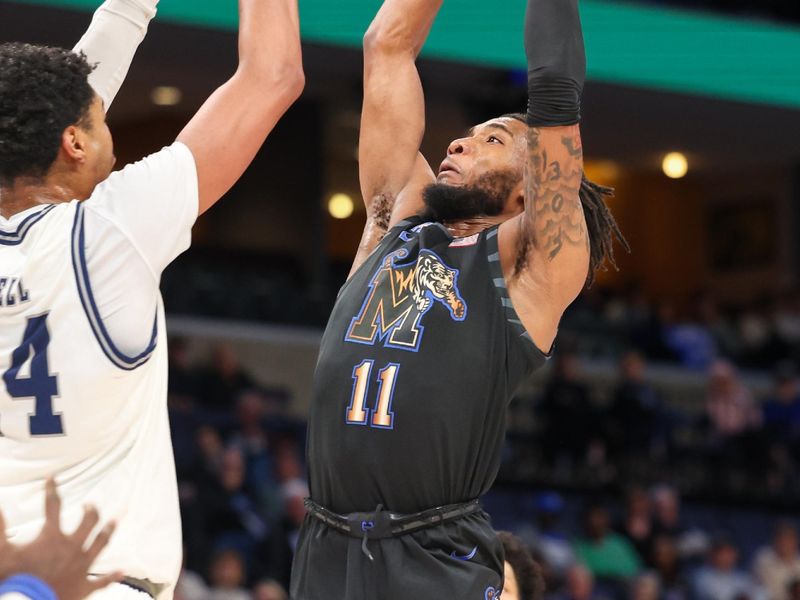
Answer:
(231, 126)
(565, 232)
(391, 170)
(116, 30)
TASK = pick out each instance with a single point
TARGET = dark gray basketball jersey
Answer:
(419, 360)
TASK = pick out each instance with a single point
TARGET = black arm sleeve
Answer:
(556, 62)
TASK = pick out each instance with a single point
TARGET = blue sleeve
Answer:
(27, 585)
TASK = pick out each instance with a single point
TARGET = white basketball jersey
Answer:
(73, 405)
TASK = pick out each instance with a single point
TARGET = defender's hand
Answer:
(60, 560)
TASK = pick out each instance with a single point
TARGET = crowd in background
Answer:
(651, 552)
(241, 479)
(733, 444)
(239, 458)
(601, 322)
(694, 334)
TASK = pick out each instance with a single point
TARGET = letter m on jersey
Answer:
(400, 295)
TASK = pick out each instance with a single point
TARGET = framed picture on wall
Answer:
(742, 234)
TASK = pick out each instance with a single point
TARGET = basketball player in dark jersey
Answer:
(454, 298)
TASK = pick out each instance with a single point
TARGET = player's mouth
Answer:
(447, 168)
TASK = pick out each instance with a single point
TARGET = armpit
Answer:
(380, 210)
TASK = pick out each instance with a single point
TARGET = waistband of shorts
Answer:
(380, 523)
(143, 585)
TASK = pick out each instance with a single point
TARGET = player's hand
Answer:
(60, 560)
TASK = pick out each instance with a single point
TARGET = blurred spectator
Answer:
(667, 521)
(776, 566)
(786, 321)
(280, 546)
(637, 523)
(227, 575)
(793, 591)
(190, 586)
(734, 437)
(251, 439)
(637, 413)
(579, 586)
(232, 517)
(666, 510)
(719, 579)
(782, 410)
(708, 314)
(567, 410)
(645, 587)
(605, 554)
(692, 343)
(547, 538)
(269, 589)
(224, 380)
(651, 335)
(729, 404)
(523, 578)
(183, 382)
(756, 334)
(667, 567)
(290, 471)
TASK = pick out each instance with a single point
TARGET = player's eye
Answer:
(492, 139)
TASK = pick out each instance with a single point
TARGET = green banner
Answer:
(652, 47)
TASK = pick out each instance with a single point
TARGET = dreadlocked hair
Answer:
(601, 226)
(600, 223)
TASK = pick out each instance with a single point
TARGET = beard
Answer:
(486, 197)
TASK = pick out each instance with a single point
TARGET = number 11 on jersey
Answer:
(382, 415)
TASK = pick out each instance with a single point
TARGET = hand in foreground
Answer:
(60, 560)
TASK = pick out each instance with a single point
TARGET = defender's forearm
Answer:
(228, 130)
(116, 30)
(402, 25)
(269, 39)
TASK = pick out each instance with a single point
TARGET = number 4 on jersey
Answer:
(40, 385)
(382, 415)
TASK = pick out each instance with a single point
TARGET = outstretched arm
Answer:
(545, 251)
(391, 169)
(231, 126)
(61, 561)
(116, 30)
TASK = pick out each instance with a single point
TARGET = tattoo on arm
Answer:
(554, 216)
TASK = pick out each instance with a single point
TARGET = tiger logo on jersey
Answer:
(400, 295)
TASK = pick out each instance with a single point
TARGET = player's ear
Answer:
(73, 144)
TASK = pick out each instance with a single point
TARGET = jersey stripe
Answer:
(113, 353)
(499, 280)
(13, 238)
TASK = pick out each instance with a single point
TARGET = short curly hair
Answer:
(527, 571)
(43, 91)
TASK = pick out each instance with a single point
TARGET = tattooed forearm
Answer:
(554, 218)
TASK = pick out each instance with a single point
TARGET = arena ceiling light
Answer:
(166, 95)
(675, 165)
(341, 206)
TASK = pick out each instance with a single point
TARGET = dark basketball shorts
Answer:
(461, 559)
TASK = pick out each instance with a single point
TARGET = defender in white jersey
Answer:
(83, 366)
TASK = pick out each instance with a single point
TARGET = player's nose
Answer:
(457, 147)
